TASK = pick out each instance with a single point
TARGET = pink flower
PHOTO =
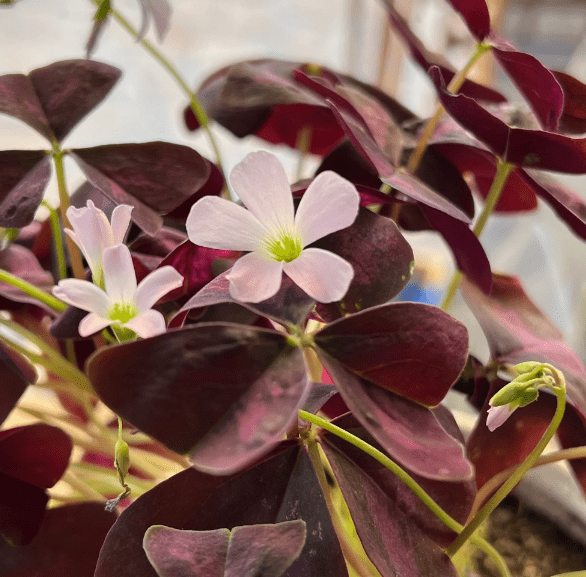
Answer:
(275, 236)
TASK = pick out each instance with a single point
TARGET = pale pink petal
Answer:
(219, 223)
(323, 275)
(83, 295)
(156, 285)
(120, 222)
(92, 324)
(498, 415)
(261, 184)
(147, 324)
(255, 278)
(119, 275)
(330, 203)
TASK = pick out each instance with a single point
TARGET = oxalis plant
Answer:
(238, 396)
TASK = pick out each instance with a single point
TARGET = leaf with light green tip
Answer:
(250, 551)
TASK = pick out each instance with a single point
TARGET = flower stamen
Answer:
(285, 247)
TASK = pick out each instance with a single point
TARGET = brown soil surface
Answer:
(530, 544)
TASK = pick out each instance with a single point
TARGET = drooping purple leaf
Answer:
(153, 177)
(530, 148)
(70, 90)
(425, 58)
(388, 173)
(24, 175)
(410, 433)
(381, 257)
(281, 488)
(160, 12)
(37, 454)
(226, 405)
(248, 551)
(67, 545)
(289, 306)
(475, 14)
(412, 349)
(319, 395)
(536, 83)
(16, 373)
(573, 118)
(465, 246)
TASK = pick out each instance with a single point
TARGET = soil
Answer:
(531, 545)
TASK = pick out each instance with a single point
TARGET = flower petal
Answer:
(330, 203)
(219, 223)
(156, 285)
(261, 184)
(497, 416)
(255, 278)
(323, 275)
(147, 324)
(92, 323)
(83, 295)
(120, 222)
(119, 275)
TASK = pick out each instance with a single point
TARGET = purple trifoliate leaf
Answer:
(68, 543)
(289, 306)
(394, 544)
(70, 90)
(529, 148)
(381, 257)
(283, 487)
(475, 14)
(537, 84)
(24, 175)
(411, 349)
(573, 118)
(16, 373)
(153, 177)
(246, 551)
(225, 406)
(410, 433)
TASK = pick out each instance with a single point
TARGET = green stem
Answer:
(194, 102)
(503, 170)
(411, 483)
(58, 239)
(32, 290)
(74, 254)
(453, 87)
(511, 482)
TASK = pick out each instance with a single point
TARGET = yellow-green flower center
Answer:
(122, 312)
(284, 247)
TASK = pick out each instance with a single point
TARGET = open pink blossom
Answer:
(92, 233)
(123, 303)
(275, 236)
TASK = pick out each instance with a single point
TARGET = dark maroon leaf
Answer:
(19, 99)
(410, 433)
(22, 508)
(24, 175)
(282, 488)
(289, 306)
(412, 349)
(396, 178)
(531, 148)
(536, 83)
(381, 257)
(37, 454)
(572, 433)
(16, 372)
(70, 90)
(573, 118)
(468, 252)
(153, 177)
(569, 206)
(225, 406)
(67, 545)
(249, 551)
(392, 541)
(476, 16)
(319, 395)
(426, 59)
